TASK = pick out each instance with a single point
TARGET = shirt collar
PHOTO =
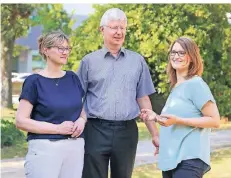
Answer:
(106, 51)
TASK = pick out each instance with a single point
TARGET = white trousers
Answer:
(54, 159)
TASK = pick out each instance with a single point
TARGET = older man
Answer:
(117, 83)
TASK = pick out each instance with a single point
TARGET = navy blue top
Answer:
(53, 103)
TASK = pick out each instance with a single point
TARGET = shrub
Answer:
(10, 135)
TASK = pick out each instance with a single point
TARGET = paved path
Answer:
(13, 168)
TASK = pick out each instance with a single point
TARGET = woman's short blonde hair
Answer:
(49, 40)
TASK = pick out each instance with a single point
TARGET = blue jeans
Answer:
(192, 168)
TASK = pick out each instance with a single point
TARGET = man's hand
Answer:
(155, 142)
(147, 115)
(78, 127)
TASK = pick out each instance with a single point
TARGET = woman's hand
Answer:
(168, 120)
(78, 127)
(65, 128)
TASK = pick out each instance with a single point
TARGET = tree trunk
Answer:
(6, 69)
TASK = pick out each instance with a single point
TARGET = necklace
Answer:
(57, 82)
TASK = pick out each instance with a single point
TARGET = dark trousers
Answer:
(109, 140)
(192, 168)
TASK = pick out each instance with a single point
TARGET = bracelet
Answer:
(85, 119)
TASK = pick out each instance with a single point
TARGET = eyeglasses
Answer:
(180, 53)
(62, 49)
(116, 28)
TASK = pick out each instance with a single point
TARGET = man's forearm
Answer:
(151, 125)
(145, 103)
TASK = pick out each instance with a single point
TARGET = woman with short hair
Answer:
(50, 110)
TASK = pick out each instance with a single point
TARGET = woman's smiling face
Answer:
(180, 60)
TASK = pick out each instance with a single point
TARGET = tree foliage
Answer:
(151, 30)
(53, 17)
(15, 22)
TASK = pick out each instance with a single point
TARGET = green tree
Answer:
(53, 17)
(14, 23)
(16, 20)
(151, 30)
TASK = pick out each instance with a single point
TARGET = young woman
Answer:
(50, 110)
(188, 115)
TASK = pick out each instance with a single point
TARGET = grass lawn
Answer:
(16, 151)
(143, 131)
(221, 161)
(7, 113)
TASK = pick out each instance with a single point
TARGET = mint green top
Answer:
(179, 142)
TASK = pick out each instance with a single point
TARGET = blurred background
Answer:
(151, 29)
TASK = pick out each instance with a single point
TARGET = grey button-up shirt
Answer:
(113, 84)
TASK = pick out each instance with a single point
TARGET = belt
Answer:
(112, 122)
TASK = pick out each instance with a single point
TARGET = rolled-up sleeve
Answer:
(145, 85)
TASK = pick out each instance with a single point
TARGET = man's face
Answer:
(114, 32)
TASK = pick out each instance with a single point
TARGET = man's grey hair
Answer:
(112, 14)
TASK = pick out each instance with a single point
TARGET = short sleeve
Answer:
(29, 91)
(200, 93)
(145, 85)
(82, 74)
